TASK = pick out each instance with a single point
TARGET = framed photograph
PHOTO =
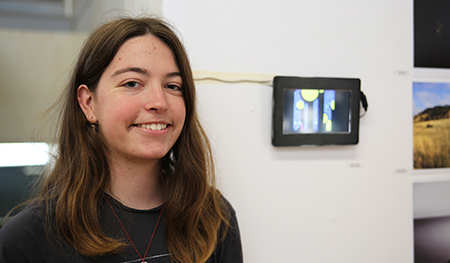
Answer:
(431, 222)
(431, 34)
(431, 125)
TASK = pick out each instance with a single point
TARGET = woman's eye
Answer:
(131, 84)
(174, 87)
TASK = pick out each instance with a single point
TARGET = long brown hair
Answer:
(80, 174)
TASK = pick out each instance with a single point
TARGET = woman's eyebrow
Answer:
(173, 74)
(132, 69)
(142, 71)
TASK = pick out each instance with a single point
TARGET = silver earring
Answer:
(93, 127)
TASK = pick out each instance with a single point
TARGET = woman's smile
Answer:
(152, 126)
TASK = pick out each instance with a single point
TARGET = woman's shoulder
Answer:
(24, 232)
(31, 215)
(229, 247)
(230, 212)
(228, 208)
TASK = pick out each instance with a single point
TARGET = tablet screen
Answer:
(316, 111)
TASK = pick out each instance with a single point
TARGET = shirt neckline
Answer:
(118, 204)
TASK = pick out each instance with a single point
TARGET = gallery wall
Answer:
(310, 204)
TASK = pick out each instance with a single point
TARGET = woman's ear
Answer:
(86, 101)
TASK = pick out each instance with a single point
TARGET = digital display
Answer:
(316, 111)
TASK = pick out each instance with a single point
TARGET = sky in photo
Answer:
(429, 94)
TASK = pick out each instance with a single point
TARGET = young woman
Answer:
(133, 178)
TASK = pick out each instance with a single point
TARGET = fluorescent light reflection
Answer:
(23, 154)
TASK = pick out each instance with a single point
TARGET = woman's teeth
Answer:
(153, 126)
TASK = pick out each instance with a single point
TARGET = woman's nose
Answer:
(156, 98)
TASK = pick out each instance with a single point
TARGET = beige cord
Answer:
(233, 78)
(268, 82)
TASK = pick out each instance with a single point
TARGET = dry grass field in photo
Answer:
(431, 144)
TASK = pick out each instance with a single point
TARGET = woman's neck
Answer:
(137, 186)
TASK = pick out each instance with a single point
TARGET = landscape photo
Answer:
(431, 125)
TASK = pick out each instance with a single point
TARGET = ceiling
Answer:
(43, 14)
(37, 8)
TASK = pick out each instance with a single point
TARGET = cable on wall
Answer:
(266, 82)
(233, 78)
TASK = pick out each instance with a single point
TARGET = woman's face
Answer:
(139, 103)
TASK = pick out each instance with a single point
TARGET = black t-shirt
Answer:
(25, 238)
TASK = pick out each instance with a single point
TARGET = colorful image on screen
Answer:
(316, 111)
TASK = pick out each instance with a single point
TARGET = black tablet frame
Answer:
(283, 83)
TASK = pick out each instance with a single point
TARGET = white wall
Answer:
(314, 204)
